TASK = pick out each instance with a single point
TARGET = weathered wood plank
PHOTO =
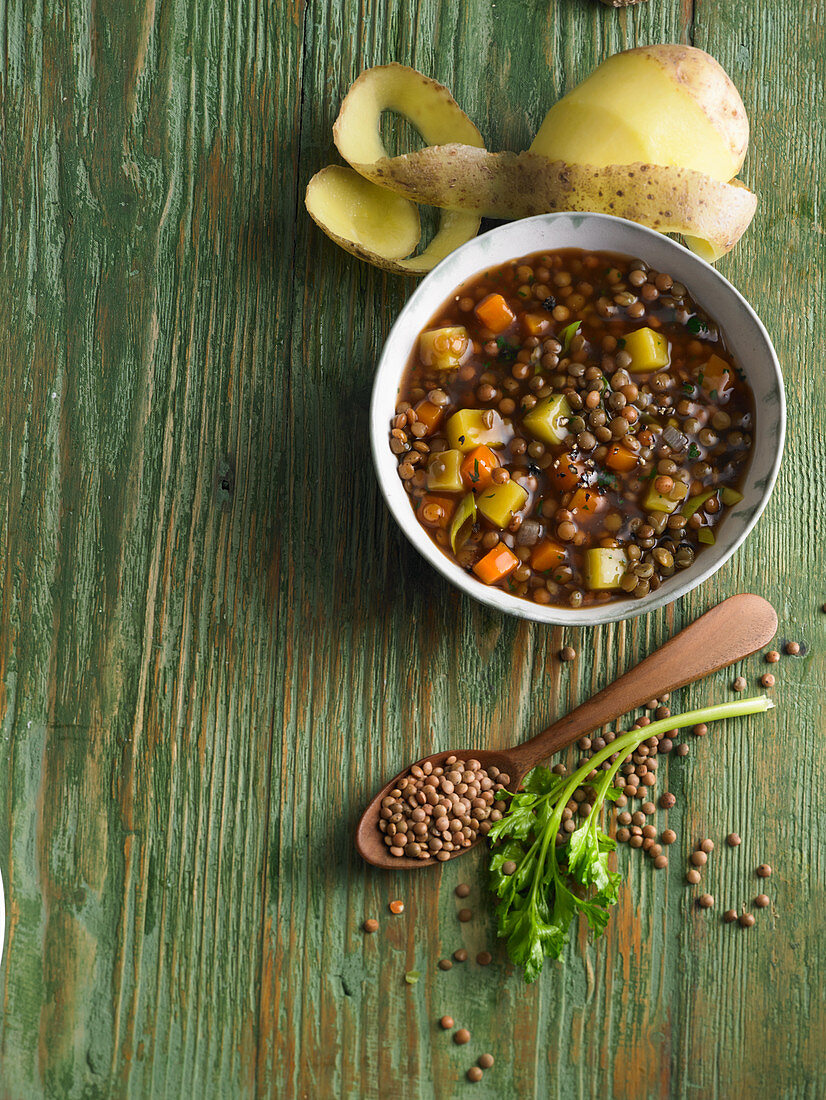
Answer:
(201, 683)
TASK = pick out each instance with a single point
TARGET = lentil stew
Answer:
(572, 428)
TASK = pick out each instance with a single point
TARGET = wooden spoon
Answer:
(729, 632)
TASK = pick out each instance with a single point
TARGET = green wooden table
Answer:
(214, 643)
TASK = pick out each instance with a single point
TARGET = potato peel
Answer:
(353, 210)
(518, 185)
(458, 175)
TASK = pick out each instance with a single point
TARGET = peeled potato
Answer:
(517, 185)
(668, 105)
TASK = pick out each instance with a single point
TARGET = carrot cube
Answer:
(477, 468)
(534, 324)
(546, 555)
(564, 473)
(496, 564)
(495, 313)
(620, 458)
(587, 501)
(429, 414)
(435, 510)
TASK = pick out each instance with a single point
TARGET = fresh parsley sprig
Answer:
(552, 883)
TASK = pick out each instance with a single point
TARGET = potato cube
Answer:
(444, 473)
(648, 350)
(499, 503)
(604, 569)
(658, 502)
(548, 419)
(467, 430)
(445, 348)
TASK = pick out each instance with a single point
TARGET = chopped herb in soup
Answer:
(572, 428)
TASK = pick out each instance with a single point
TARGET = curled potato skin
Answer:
(519, 185)
(436, 115)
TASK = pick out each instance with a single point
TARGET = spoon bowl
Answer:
(732, 630)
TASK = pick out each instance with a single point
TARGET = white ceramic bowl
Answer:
(746, 338)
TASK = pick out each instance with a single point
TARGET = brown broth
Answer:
(574, 313)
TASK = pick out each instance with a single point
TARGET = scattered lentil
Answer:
(661, 862)
(462, 1036)
(445, 964)
(474, 1074)
(733, 840)
(486, 1061)
(460, 955)
(446, 1023)
(762, 901)
(730, 916)
(668, 836)
(667, 800)
(706, 846)
(700, 730)
(484, 958)
(772, 657)
(739, 684)
(767, 680)
(396, 907)
(682, 749)
(567, 653)
(371, 925)
(462, 890)
(693, 876)
(764, 871)
(792, 648)
(465, 915)
(705, 901)
(746, 920)
(698, 858)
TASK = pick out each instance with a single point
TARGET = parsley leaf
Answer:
(557, 876)
(696, 325)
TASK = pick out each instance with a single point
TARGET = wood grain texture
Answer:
(214, 645)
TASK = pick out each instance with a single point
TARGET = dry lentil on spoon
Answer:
(575, 436)
(434, 811)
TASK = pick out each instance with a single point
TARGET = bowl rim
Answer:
(496, 598)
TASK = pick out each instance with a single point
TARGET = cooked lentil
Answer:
(576, 435)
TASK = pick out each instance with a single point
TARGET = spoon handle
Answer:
(727, 633)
